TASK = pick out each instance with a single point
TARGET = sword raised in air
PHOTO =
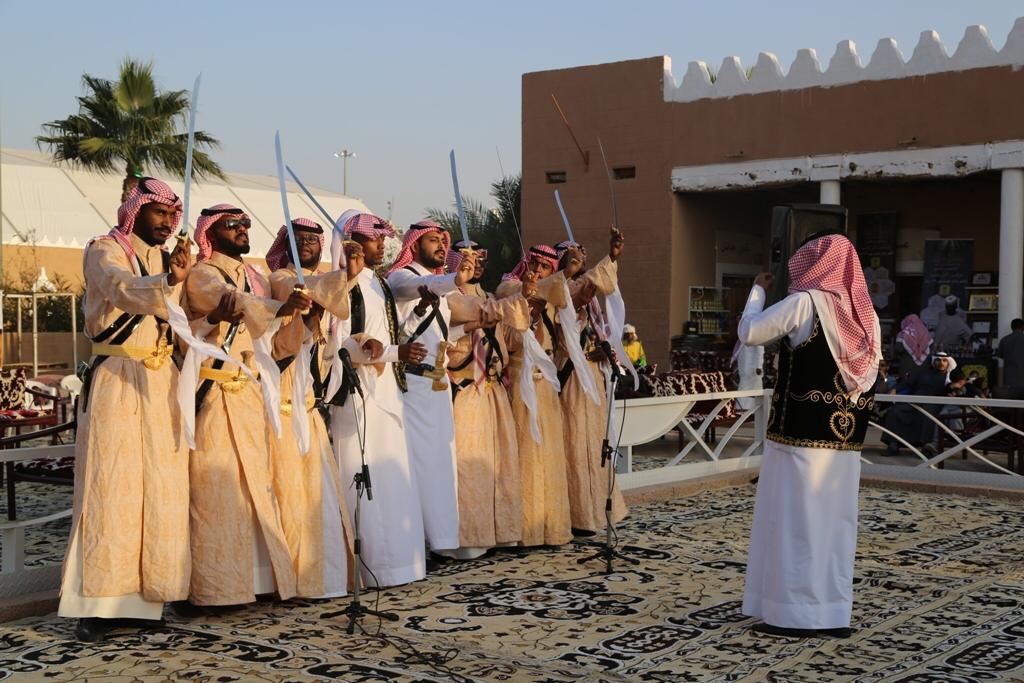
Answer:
(565, 219)
(310, 196)
(182, 235)
(511, 206)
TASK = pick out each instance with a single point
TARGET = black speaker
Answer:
(793, 225)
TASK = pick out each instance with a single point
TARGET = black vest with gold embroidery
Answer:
(811, 407)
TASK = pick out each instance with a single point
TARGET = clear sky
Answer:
(401, 83)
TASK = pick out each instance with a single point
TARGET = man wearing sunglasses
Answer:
(307, 482)
(238, 544)
(128, 552)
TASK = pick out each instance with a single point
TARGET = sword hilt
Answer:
(300, 288)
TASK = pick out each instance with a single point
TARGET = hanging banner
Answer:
(948, 265)
(876, 245)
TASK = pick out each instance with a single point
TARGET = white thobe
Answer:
(390, 525)
(429, 416)
(750, 364)
(804, 536)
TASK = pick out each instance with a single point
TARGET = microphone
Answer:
(366, 482)
(607, 348)
(351, 376)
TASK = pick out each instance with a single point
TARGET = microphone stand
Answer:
(609, 457)
(356, 609)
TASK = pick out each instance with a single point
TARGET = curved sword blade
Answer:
(511, 206)
(287, 216)
(189, 149)
(310, 196)
(565, 219)
(458, 198)
(611, 185)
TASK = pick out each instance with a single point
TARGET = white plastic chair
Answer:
(72, 385)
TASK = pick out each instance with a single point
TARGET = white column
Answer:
(829, 191)
(1011, 247)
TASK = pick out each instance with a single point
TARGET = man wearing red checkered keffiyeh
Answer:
(315, 526)
(128, 549)
(234, 414)
(490, 498)
(308, 234)
(455, 256)
(422, 290)
(540, 259)
(149, 196)
(373, 338)
(434, 259)
(533, 393)
(799, 578)
(585, 420)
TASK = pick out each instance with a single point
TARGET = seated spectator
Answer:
(904, 420)
(956, 388)
(634, 348)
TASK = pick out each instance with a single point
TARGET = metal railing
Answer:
(644, 420)
(977, 408)
(15, 577)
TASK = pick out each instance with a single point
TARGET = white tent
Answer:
(60, 206)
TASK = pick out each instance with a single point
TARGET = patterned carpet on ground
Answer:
(939, 597)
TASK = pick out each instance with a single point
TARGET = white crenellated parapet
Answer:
(1013, 51)
(844, 66)
(974, 51)
(929, 56)
(766, 74)
(697, 82)
(886, 62)
(805, 72)
(732, 78)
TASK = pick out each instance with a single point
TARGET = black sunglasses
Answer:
(236, 223)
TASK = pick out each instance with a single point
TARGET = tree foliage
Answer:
(497, 229)
(130, 126)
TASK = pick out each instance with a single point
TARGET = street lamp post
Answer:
(344, 156)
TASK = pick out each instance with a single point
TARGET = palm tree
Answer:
(495, 229)
(129, 125)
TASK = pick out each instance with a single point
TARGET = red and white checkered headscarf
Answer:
(831, 266)
(538, 252)
(146, 191)
(915, 337)
(280, 250)
(563, 247)
(207, 217)
(412, 236)
(454, 258)
(368, 225)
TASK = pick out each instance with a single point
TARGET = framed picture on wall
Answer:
(983, 278)
(984, 302)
